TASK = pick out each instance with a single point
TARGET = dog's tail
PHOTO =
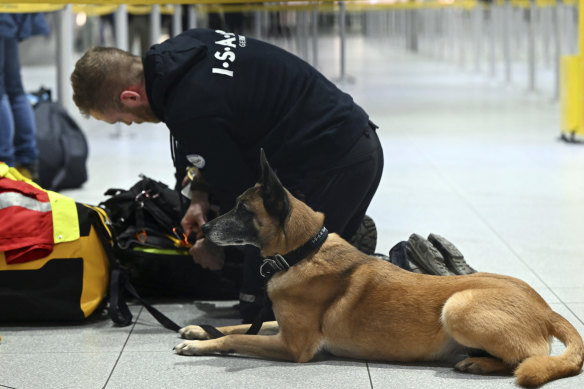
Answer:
(537, 370)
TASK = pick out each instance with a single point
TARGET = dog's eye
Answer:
(242, 206)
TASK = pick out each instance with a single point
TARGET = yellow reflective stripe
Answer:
(11, 199)
(151, 250)
(65, 218)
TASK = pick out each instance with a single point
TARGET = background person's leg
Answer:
(6, 119)
(25, 149)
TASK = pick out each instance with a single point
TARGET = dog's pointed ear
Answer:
(274, 195)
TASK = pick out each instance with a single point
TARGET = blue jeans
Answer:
(17, 122)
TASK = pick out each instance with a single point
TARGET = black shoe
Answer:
(398, 256)
(426, 257)
(381, 256)
(365, 238)
(414, 268)
(452, 256)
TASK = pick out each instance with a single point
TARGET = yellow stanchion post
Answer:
(572, 88)
(571, 96)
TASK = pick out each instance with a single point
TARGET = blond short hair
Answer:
(101, 75)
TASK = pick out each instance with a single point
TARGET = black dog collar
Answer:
(277, 263)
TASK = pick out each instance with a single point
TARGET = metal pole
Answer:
(304, 33)
(342, 28)
(257, 20)
(492, 40)
(507, 40)
(461, 37)
(477, 38)
(315, 35)
(122, 43)
(177, 26)
(451, 38)
(557, 50)
(192, 17)
(531, 46)
(155, 24)
(411, 30)
(121, 27)
(546, 33)
(65, 57)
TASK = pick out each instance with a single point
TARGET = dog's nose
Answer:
(205, 228)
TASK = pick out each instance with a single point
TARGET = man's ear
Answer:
(274, 195)
(130, 98)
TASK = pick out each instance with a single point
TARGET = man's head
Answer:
(108, 84)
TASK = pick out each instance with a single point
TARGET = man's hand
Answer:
(208, 255)
(196, 214)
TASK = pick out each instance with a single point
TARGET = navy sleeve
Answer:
(226, 169)
(180, 164)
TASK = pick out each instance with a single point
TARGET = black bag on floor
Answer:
(61, 143)
(149, 242)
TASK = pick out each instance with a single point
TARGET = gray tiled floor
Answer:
(466, 156)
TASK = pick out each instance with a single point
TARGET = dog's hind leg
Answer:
(484, 365)
(494, 320)
(197, 332)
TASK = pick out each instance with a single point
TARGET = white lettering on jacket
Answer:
(225, 55)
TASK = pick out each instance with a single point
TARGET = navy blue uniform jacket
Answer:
(224, 96)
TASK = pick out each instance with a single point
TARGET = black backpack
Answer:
(149, 242)
(61, 143)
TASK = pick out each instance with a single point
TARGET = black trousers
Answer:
(342, 191)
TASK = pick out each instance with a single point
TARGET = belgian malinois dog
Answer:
(339, 300)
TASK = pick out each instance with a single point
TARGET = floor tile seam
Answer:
(485, 221)
(150, 351)
(122, 350)
(369, 374)
(59, 352)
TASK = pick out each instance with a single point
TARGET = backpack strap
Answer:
(119, 311)
(120, 284)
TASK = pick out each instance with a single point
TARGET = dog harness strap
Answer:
(277, 263)
(213, 332)
(261, 317)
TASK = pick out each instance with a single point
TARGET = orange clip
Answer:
(184, 241)
(142, 236)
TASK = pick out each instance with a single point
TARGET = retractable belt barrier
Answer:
(143, 7)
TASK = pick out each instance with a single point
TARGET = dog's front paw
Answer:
(189, 347)
(193, 332)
